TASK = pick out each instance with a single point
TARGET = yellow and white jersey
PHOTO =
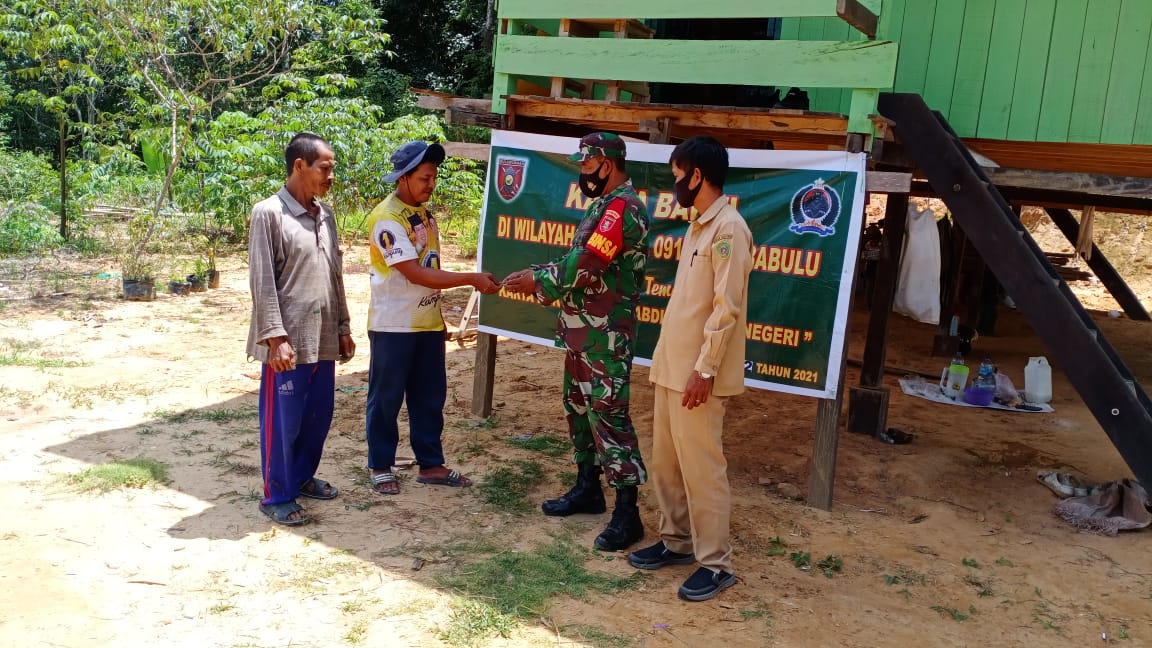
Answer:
(400, 232)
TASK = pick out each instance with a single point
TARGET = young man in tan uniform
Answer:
(698, 363)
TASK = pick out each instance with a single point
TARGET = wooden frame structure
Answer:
(553, 58)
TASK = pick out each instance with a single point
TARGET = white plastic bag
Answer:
(918, 289)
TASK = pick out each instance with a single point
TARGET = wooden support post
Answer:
(822, 473)
(868, 403)
(1101, 267)
(484, 375)
(859, 16)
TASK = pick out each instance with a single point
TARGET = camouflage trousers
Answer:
(596, 394)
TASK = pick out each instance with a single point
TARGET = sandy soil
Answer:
(948, 541)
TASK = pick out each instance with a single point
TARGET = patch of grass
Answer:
(472, 621)
(830, 565)
(598, 638)
(222, 415)
(506, 488)
(906, 592)
(544, 444)
(355, 634)
(970, 562)
(14, 353)
(801, 559)
(519, 585)
(891, 580)
(416, 605)
(1004, 562)
(956, 615)
(131, 473)
(776, 546)
(220, 608)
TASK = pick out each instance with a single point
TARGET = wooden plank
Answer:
(867, 64)
(964, 113)
(886, 182)
(1128, 72)
(440, 101)
(1000, 76)
(1142, 133)
(822, 472)
(467, 150)
(1101, 267)
(790, 29)
(940, 74)
(1104, 159)
(915, 46)
(484, 375)
(1031, 66)
(1095, 67)
(1087, 186)
(770, 122)
(647, 9)
(1063, 55)
(891, 21)
(858, 16)
(863, 105)
(828, 99)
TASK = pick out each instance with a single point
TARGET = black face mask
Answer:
(685, 196)
(591, 184)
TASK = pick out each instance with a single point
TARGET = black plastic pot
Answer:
(139, 289)
(179, 287)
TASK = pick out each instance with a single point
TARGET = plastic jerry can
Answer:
(1038, 380)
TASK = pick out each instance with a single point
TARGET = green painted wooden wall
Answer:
(1022, 70)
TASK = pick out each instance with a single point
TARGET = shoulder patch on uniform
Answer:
(723, 248)
(608, 238)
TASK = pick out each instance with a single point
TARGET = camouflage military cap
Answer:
(599, 144)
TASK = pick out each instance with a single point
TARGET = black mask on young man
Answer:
(685, 196)
(591, 184)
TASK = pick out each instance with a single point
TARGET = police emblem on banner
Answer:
(815, 210)
(510, 177)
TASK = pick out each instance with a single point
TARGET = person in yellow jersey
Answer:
(405, 327)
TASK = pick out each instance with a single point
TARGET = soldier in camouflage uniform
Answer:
(597, 284)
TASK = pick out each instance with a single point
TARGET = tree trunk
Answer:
(489, 25)
(63, 126)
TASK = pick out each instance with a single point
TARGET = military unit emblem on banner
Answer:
(510, 177)
(815, 210)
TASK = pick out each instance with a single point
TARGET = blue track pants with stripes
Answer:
(295, 415)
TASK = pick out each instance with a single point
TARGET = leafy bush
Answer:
(28, 201)
(239, 160)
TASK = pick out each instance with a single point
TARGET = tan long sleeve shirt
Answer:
(295, 274)
(703, 326)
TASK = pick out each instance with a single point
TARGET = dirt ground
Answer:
(947, 541)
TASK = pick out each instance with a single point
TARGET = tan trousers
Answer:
(689, 474)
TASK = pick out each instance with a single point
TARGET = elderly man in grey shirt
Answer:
(300, 327)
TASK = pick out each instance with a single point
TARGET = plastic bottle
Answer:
(986, 377)
(1038, 380)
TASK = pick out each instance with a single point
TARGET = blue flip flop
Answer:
(315, 488)
(279, 513)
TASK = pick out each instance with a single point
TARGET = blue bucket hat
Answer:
(411, 155)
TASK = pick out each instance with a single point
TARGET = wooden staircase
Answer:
(1093, 367)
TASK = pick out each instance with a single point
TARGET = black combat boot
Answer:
(625, 527)
(585, 497)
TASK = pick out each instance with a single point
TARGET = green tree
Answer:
(50, 46)
(190, 55)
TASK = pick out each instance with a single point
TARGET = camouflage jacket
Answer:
(598, 281)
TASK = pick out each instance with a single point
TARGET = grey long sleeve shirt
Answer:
(295, 274)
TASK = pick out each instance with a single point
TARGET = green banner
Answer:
(804, 210)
